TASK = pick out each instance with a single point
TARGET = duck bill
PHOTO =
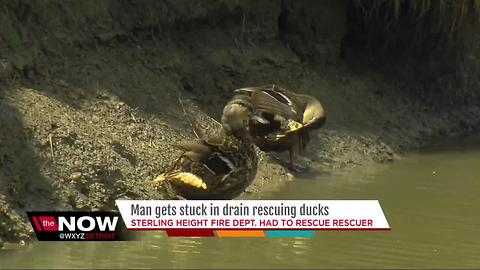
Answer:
(293, 126)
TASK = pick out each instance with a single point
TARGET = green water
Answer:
(430, 199)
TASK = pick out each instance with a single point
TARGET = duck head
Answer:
(314, 113)
(236, 116)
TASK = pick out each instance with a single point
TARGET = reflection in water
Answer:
(430, 200)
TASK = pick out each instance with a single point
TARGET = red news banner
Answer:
(253, 214)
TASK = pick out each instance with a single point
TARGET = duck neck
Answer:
(240, 135)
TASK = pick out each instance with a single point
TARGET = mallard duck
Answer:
(281, 119)
(217, 167)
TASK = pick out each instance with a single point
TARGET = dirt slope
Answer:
(87, 115)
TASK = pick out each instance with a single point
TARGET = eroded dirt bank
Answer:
(89, 95)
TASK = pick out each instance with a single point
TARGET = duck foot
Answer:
(298, 168)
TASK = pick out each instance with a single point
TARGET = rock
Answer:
(75, 176)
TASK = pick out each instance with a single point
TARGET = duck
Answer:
(282, 119)
(218, 167)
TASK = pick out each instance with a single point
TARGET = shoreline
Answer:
(329, 149)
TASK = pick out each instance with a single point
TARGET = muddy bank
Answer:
(89, 107)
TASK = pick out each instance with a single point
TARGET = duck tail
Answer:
(183, 177)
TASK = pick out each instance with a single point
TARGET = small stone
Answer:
(75, 175)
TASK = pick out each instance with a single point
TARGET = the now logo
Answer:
(87, 223)
(68, 226)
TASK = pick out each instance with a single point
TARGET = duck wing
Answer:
(249, 90)
(208, 154)
(196, 151)
(272, 102)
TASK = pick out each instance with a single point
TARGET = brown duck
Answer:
(217, 167)
(282, 119)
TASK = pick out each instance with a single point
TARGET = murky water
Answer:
(431, 199)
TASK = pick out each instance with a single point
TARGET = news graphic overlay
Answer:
(78, 226)
(247, 218)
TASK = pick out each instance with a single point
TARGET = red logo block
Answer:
(48, 223)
